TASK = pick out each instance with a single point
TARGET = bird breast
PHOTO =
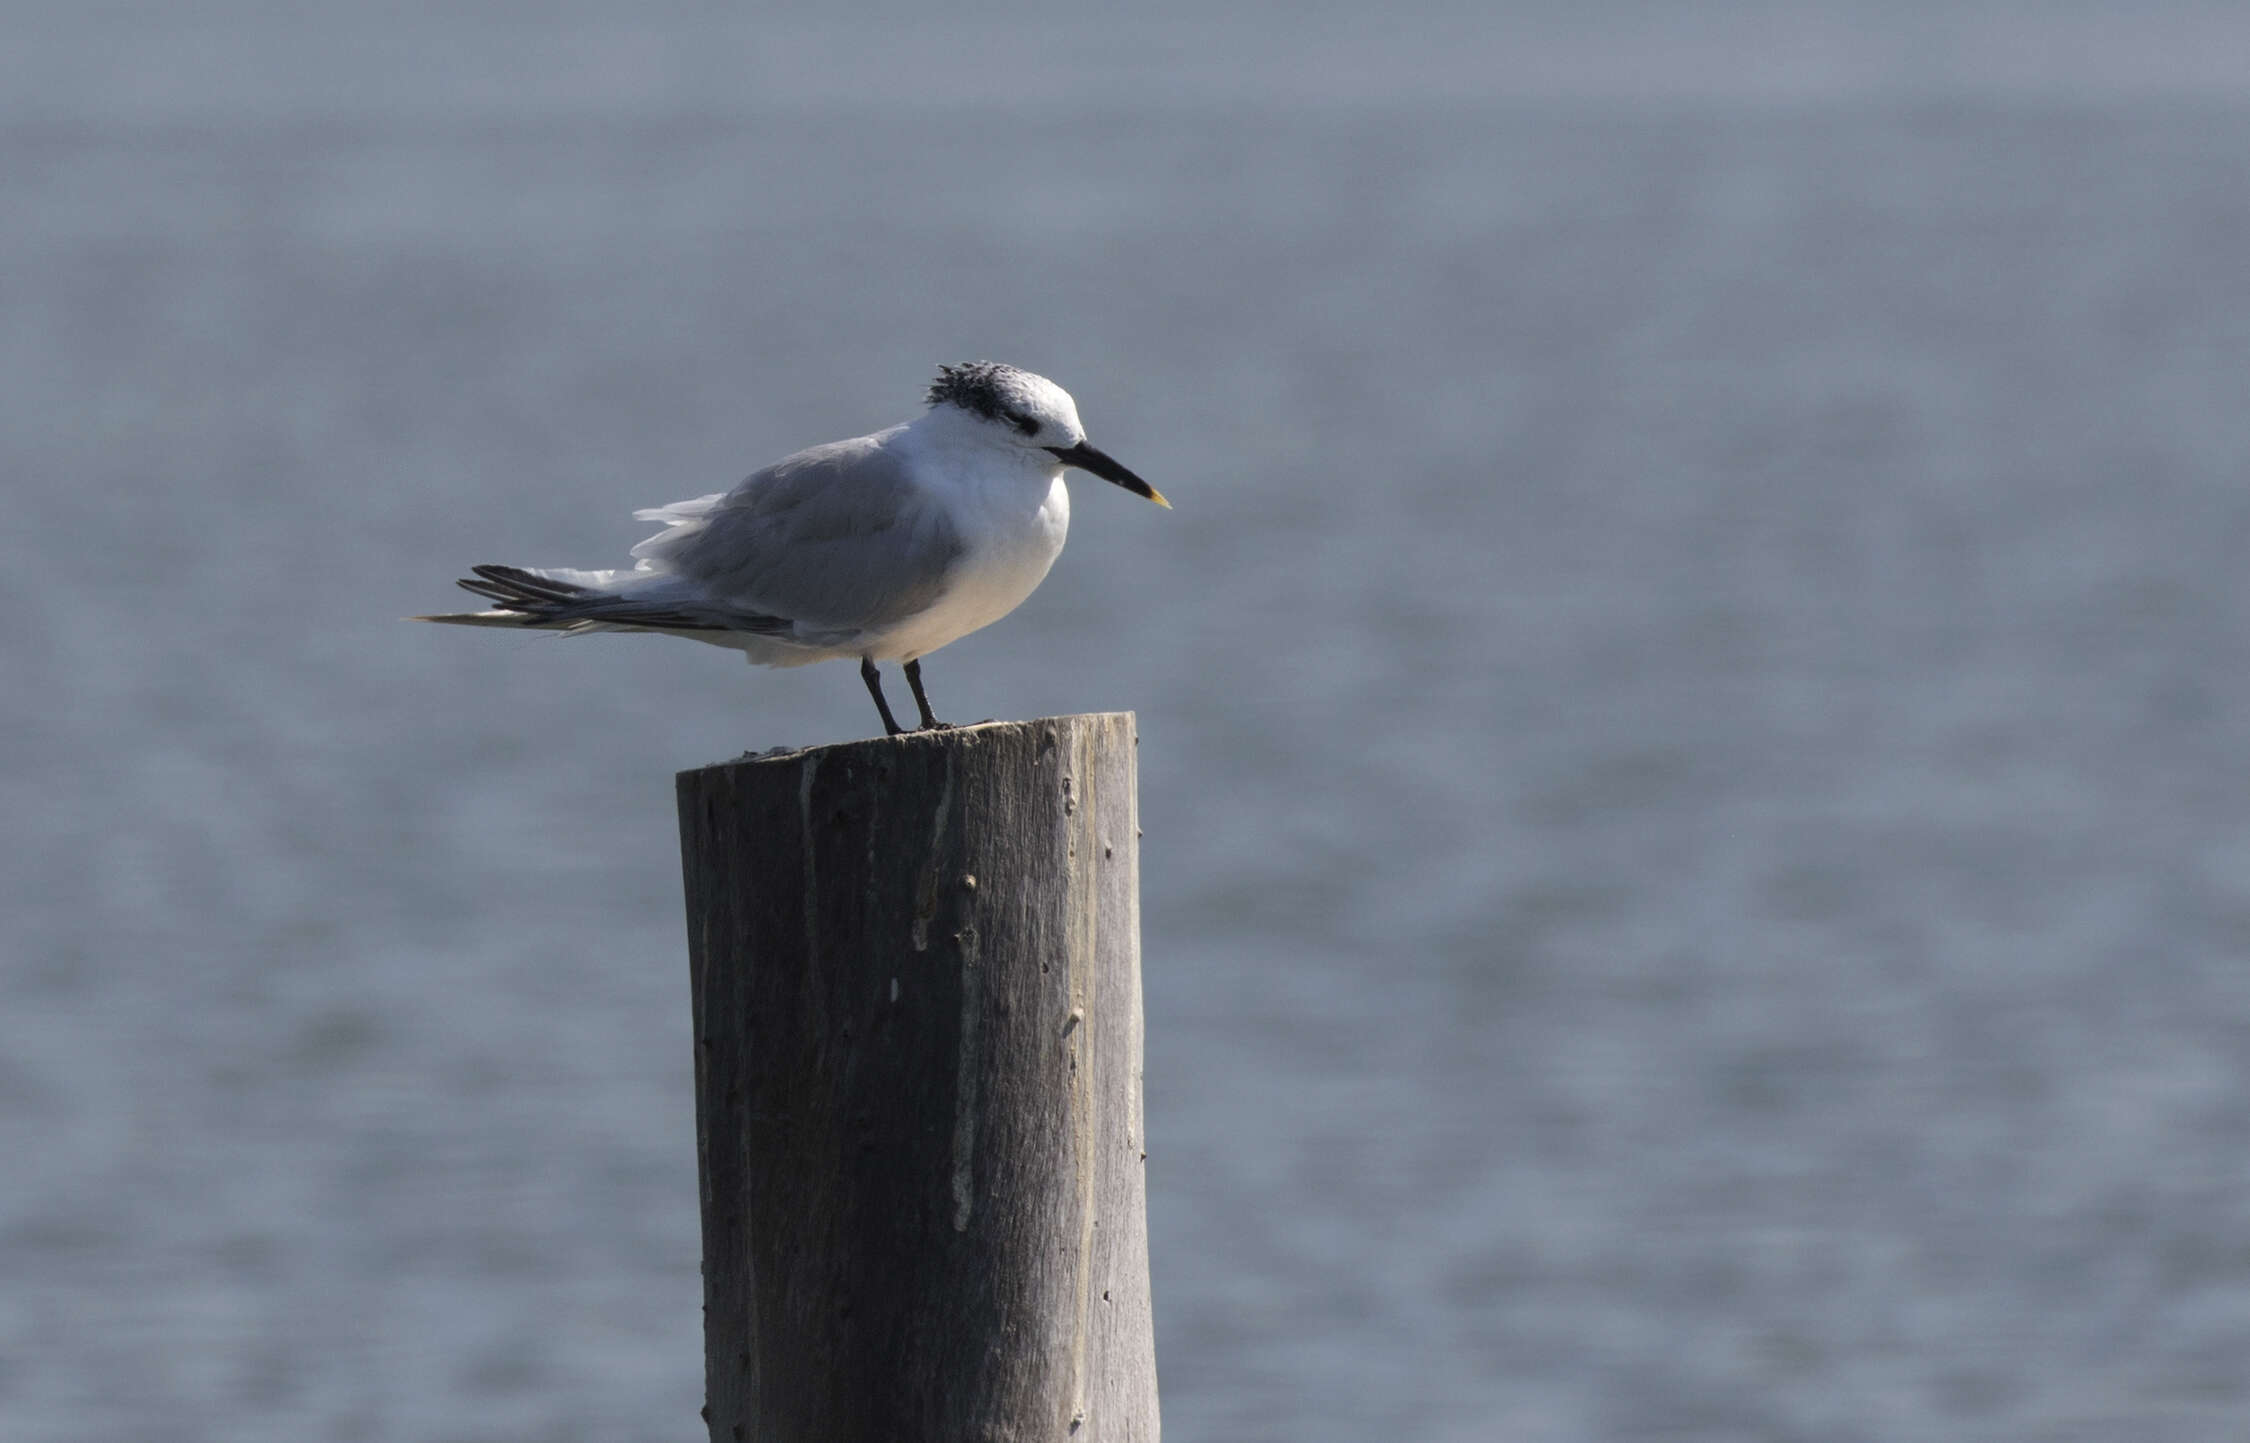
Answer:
(1013, 547)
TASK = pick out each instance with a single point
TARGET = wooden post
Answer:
(916, 965)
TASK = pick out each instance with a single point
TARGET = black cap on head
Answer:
(984, 387)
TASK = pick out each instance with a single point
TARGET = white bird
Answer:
(883, 547)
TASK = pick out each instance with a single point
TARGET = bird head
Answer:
(1031, 411)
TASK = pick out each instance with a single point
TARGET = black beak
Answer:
(1086, 458)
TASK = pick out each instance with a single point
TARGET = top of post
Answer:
(967, 737)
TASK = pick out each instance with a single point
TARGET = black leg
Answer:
(868, 674)
(930, 723)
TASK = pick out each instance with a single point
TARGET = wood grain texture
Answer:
(916, 969)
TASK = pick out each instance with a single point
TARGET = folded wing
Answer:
(835, 539)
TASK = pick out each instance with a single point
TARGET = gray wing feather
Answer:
(835, 538)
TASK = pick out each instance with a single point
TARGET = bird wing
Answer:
(836, 539)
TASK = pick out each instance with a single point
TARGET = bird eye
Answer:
(1024, 423)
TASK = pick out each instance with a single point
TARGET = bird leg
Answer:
(930, 723)
(868, 674)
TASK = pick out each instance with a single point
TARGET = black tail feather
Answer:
(519, 590)
(545, 601)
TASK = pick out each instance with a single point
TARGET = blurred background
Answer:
(1697, 875)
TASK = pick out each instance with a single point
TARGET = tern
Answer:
(884, 547)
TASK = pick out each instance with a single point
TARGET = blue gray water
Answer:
(1697, 875)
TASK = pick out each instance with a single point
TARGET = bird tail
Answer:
(557, 600)
(515, 619)
(526, 599)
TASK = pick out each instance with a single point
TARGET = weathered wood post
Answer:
(916, 965)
